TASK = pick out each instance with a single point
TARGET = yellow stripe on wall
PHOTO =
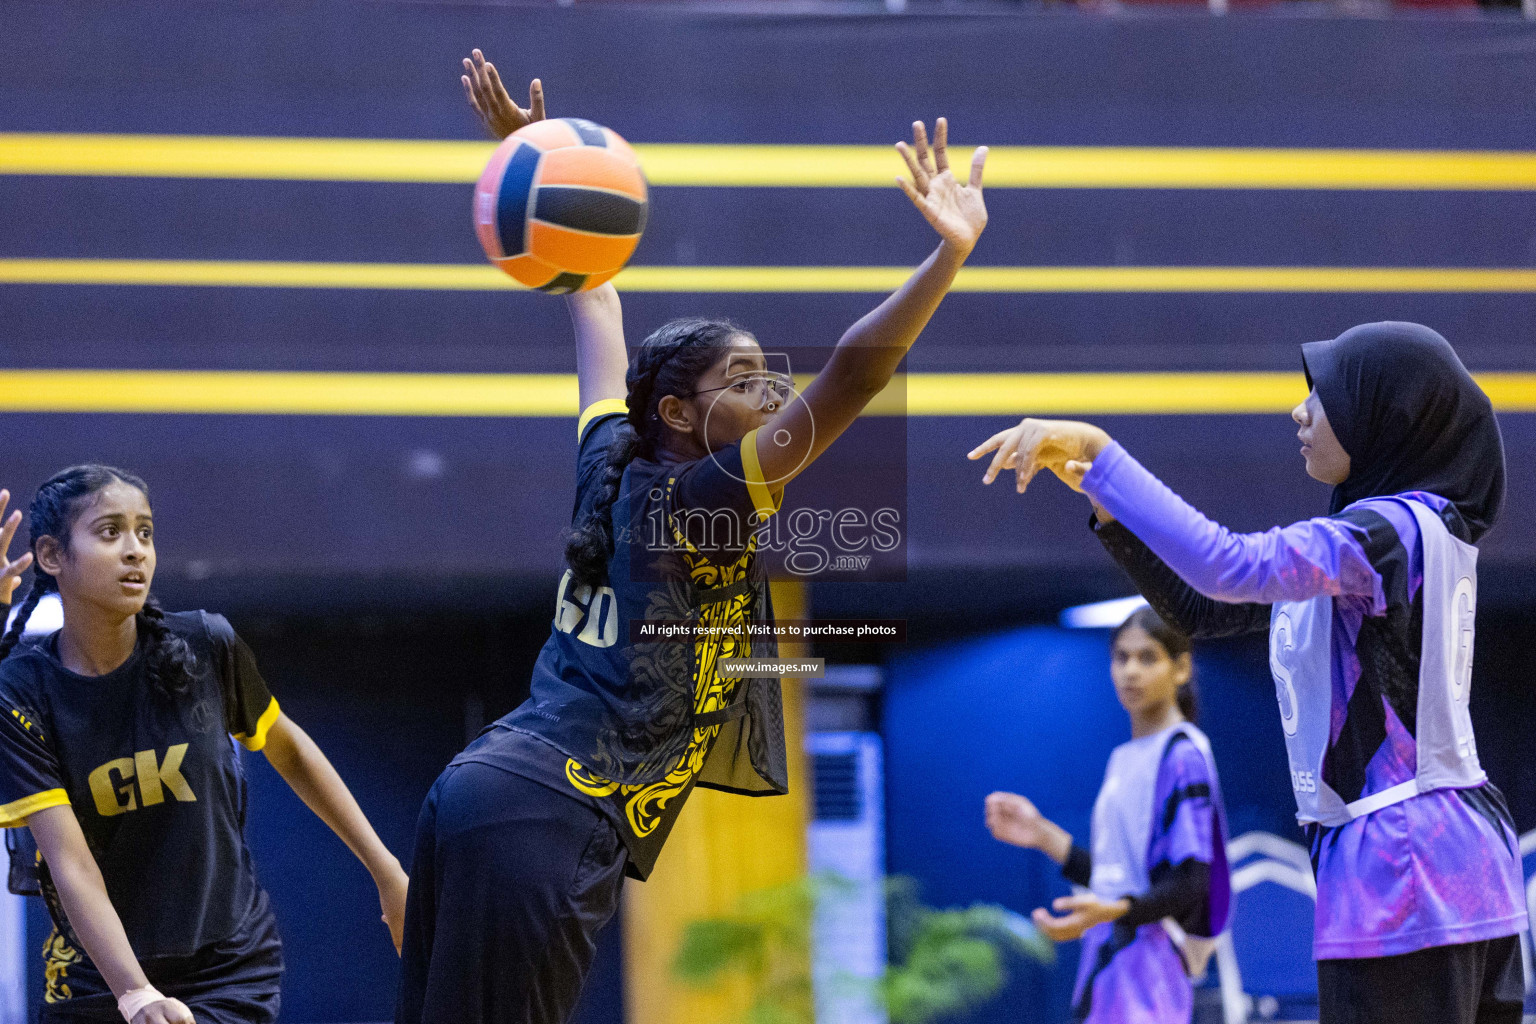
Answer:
(1099, 167)
(1083, 394)
(554, 394)
(442, 161)
(484, 277)
(282, 394)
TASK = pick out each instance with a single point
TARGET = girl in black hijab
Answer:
(1370, 611)
(1411, 418)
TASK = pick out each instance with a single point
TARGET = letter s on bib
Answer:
(1461, 623)
(1281, 642)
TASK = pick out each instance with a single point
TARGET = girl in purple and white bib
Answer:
(1370, 612)
(1157, 880)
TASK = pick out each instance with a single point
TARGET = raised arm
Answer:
(1312, 558)
(307, 771)
(77, 878)
(598, 319)
(1201, 617)
(870, 351)
(601, 356)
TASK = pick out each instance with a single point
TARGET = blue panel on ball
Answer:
(591, 134)
(512, 200)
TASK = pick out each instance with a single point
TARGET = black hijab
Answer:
(1411, 418)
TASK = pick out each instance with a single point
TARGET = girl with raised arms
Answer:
(1157, 874)
(116, 753)
(525, 838)
(1370, 612)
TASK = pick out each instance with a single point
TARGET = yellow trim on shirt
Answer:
(263, 726)
(757, 485)
(15, 813)
(601, 407)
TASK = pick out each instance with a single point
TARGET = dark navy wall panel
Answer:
(392, 222)
(242, 500)
(249, 495)
(478, 332)
(387, 70)
(1062, 78)
(1243, 471)
(327, 221)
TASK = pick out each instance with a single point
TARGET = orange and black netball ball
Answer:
(561, 205)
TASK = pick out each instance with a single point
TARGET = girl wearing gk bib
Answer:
(116, 751)
(682, 452)
(1370, 614)
(1158, 879)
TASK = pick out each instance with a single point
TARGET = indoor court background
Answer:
(390, 549)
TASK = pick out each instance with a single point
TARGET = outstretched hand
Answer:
(10, 571)
(956, 211)
(1065, 447)
(501, 117)
(1079, 913)
(1012, 818)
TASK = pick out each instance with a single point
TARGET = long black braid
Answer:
(42, 583)
(669, 362)
(169, 662)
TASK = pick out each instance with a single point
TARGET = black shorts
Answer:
(237, 981)
(509, 885)
(1471, 983)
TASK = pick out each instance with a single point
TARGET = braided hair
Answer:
(169, 661)
(670, 362)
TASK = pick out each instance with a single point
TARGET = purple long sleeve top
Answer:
(1438, 869)
(1286, 563)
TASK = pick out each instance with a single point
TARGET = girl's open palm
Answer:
(10, 572)
(483, 88)
(1078, 914)
(956, 210)
(1014, 819)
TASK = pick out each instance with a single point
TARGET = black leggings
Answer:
(510, 883)
(1472, 983)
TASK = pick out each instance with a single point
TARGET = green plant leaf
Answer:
(714, 946)
(942, 962)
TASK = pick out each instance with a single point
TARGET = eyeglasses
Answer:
(764, 388)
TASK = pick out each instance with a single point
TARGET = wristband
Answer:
(134, 1001)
